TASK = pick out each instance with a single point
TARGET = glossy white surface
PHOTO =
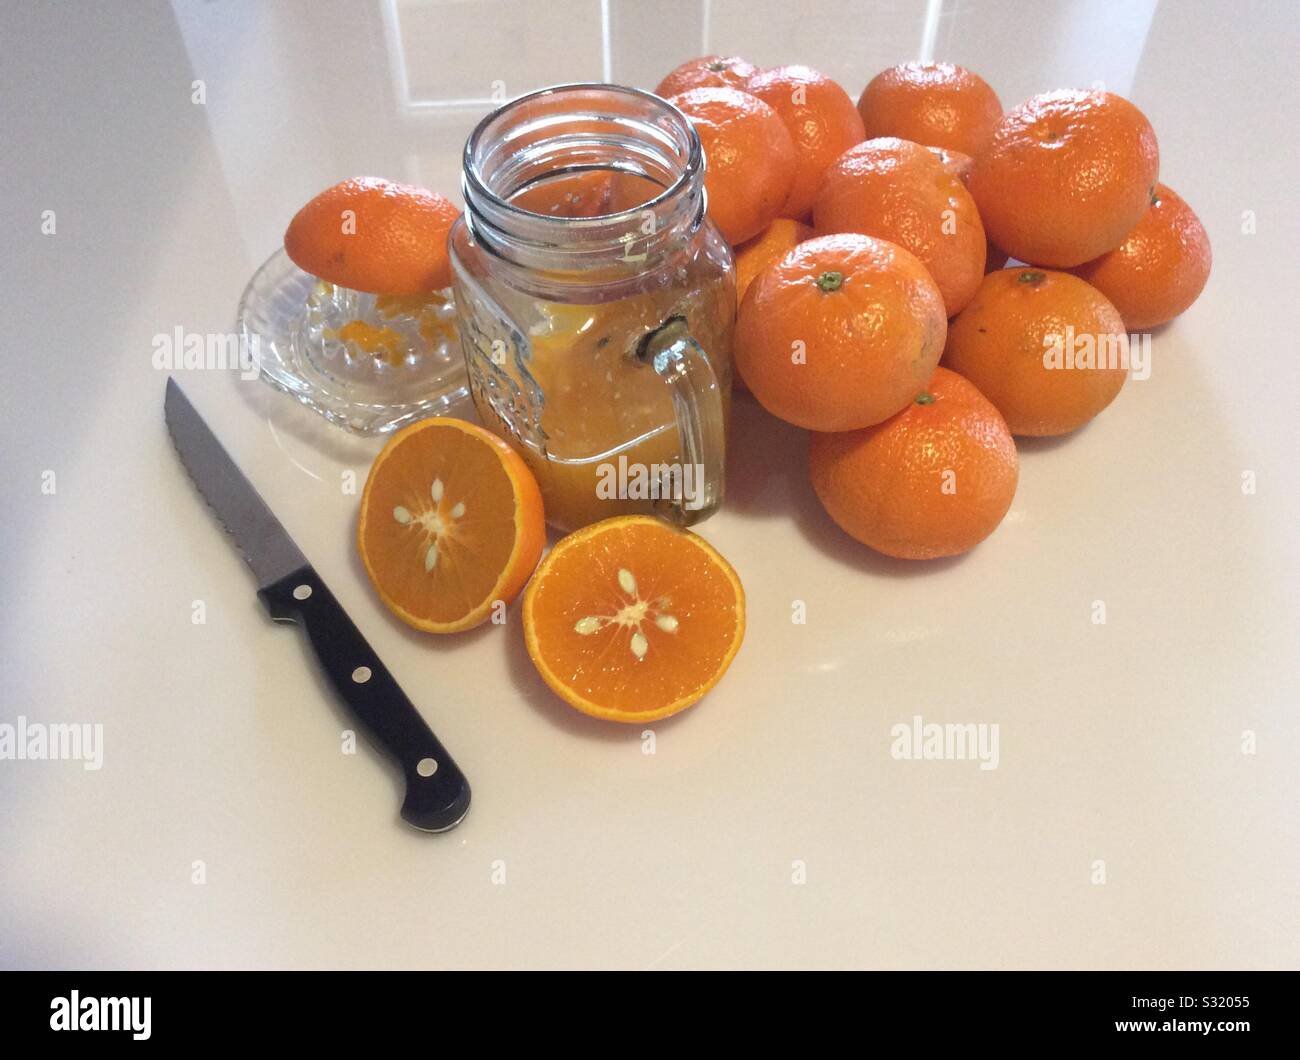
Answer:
(1121, 742)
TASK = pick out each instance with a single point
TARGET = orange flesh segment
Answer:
(384, 341)
(603, 587)
(471, 524)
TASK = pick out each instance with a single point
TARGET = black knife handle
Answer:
(437, 793)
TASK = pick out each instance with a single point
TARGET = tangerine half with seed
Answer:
(374, 235)
(631, 619)
(451, 523)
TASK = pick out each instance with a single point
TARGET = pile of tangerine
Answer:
(876, 311)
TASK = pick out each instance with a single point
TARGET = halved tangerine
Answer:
(631, 619)
(451, 522)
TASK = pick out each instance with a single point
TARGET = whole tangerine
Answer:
(749, 158)
(933, 480)
(1161, 267)
(935, 104)
(708, 71)
(821, 120)
(374, 235)
(1066, 176)
(898, 190)
(841, 333)
(1048, 349)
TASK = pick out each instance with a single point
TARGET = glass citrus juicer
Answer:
(369, 361)
(596, 301)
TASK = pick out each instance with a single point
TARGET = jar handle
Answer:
(697, 403)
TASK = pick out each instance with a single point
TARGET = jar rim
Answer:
(691, 171)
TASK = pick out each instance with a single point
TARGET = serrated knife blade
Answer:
(261, 540)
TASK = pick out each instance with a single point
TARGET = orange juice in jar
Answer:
(596, 302)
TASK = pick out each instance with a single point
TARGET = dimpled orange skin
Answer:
(766, 248)
(374, 235)
(959, 165)
(769, 246)
(885, 486)
(998, 342)
(897, 190)
(1066, 176)
(840, 333)
(750, 158)
(710, 71)
(936, 104)
(1161, 267)
(822, 122)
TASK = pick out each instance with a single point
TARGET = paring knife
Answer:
(437, 794)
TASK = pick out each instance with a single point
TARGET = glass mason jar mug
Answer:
(596, 302)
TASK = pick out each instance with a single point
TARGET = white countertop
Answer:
(1119, 743)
